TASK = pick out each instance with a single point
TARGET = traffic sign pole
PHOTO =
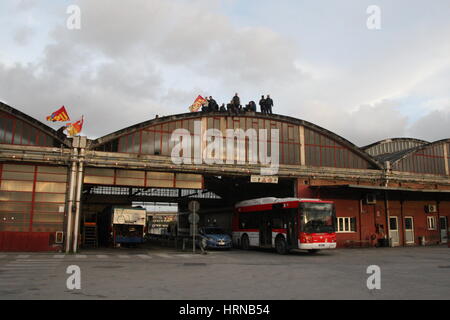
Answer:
(194, 206)
(193, 230)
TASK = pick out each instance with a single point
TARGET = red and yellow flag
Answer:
(197, 104)
(59, 115)
(75, 128)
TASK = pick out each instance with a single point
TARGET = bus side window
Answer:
(277, 223)
(276, 219)
(249, 220)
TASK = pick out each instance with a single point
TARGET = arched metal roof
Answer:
(59, 136)
(392, 146)
(274, 117)
(396, 158)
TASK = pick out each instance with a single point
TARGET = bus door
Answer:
(265, 231)
(292, 227)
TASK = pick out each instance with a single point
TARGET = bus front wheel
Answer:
(245, 243)
(281, 245)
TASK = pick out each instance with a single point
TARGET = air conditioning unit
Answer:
(431, 208)
(371, 198)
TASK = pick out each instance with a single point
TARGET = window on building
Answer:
(431, 223)
(346, 224)
(19, 132)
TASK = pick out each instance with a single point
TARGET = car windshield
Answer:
(317, 217)
(214, 231)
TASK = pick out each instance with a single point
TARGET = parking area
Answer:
(161, 273)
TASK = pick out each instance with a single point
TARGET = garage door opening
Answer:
(163, 206)
(101, 228)
(233, 189)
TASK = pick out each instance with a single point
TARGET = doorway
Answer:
(265, 231)
(443, 226)
(409, 230)
(393, 231)
(292, 228)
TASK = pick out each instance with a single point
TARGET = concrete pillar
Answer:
(79, 190)
(446, 159)
(302, 145)
(70, 200)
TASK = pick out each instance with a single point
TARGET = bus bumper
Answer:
(317, 246)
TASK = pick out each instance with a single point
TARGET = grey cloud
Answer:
(105, 108)
(132, 60)
(109, 95)
(179, 99)
(25, 5)
(178, 33)
(433, 126)
(116, 65)
(370, 123)
(139, 81)
(362, 126)
(22, 35)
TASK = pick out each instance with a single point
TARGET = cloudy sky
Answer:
(132, 60)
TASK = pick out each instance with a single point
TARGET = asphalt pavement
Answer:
(166, 274)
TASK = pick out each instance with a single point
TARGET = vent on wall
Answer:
(371, 198)
(430, 208)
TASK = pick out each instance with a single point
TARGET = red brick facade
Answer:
(371, 219)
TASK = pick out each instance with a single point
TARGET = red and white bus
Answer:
(285, 224)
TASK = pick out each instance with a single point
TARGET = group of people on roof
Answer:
(235, 107)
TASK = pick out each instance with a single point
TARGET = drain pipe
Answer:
(387, 165)
(70, 207)
(78, 201)
(386, 204)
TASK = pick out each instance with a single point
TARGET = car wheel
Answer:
(245, 243)
(281, 245)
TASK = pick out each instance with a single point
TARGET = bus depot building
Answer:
(54, 189)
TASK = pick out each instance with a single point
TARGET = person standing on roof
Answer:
(262, 104)
(213, 106)
(236, 101)
(205, 105)
(269, 104)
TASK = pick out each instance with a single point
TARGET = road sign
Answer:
(193, 218)
(194, 206)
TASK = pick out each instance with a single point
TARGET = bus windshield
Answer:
(317, 218)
